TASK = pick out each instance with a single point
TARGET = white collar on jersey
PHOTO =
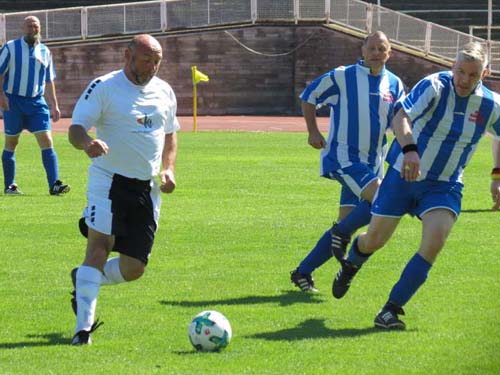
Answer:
(361, 65)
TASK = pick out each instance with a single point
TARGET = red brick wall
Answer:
(241, 82)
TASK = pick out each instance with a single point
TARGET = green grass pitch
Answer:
(248, 207)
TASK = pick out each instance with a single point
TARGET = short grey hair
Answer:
(473, 52)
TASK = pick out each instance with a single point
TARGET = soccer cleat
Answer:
(13, 190)
(83, 337)
(303, 281)
(387, 318)
(339, 243)
(59, 188)
(73, 293)
(343, 279)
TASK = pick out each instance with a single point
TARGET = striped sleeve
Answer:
(494, 125)
(322, 91)
(4, 59)
(421, 98)
(50, 73)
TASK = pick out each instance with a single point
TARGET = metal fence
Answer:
(168, 15)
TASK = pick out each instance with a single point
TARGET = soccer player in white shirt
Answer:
(134, 114)
(26, 74)
(361, 98)
(437, 127)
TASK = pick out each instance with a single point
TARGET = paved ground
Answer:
(232, 123)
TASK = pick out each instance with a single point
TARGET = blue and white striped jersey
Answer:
(446, 127)
(361, 109)
(25, 68)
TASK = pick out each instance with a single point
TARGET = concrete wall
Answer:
(241, 82)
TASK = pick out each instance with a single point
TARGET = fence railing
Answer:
(80, 23)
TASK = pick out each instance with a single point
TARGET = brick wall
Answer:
(241, 82)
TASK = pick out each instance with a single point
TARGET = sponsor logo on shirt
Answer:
(477, 118)
(145, 121)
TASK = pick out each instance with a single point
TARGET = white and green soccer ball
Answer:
(210, 331)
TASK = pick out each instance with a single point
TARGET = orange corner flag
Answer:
(198, 76)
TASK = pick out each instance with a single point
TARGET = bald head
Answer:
(376, 51)
(142, 59)
(376, 35)
(145, 42)
(31, 29)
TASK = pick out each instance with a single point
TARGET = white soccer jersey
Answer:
(446, 127)
(131, 119)
(361, 110)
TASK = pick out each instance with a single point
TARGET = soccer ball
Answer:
(210, 331)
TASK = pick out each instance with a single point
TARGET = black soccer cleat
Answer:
(59, 188)
(343, 279)
(387, 318)
(339, 243)
(73, 293)
(303, 281)
(83, 337)
(13, 190)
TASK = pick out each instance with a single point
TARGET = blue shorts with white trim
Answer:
(31, 114)
(396, 197)
(354, 180)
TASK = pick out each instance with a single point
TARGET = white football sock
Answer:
(88, 281)
(112, 274)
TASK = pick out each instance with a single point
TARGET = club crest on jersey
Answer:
(477, 118)
(387, 97)
(145, 121)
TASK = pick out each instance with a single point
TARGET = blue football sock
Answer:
(357, 218)
(356, 257)
(49, 158)
(318, 255)
(9, 167)
(413, 276)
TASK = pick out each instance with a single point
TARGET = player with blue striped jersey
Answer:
(437, 127)
(361, 98)
(26, 72)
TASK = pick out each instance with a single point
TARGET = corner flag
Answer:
(198, 76)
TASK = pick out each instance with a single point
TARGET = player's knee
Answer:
(435, 243)
(133, 272)
(11, 143)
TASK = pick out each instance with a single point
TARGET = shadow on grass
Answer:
(314, 329)
(287, 298)
(195, 352)
(49, 339)
(477, 211)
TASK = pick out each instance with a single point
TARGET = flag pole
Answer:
(195, 109)
(196, 76)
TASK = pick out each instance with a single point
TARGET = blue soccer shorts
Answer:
(396, 197)
(31, 114)
(354, 179)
